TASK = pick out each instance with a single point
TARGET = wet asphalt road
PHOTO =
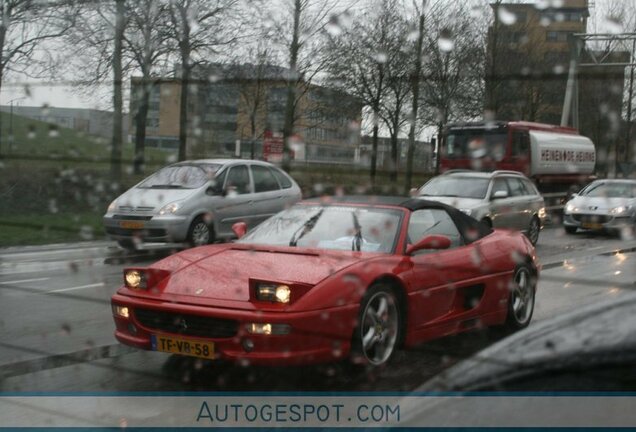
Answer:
(56, 326)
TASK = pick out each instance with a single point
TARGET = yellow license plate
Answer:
(590, 225)
(131, 224)
(189, 347)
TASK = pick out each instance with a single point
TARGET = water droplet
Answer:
(381, 57)
(333, 26)
(506, 17)
(445, 42)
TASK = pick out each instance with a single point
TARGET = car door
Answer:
(501, 211)
(237, 202)
(267, 194)
(440, 279)
(520, 203)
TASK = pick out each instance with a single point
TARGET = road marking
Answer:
(23, 281)
(76, 288)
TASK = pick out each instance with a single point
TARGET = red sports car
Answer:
(327, 279)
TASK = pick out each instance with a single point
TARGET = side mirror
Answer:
(239, 228)
(214, 190)
(500, 194)
(434, 241)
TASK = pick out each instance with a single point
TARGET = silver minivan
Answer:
(198, 201)
(501, 199)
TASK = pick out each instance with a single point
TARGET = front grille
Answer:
(185, 324)
(591, 218)
(126, 217)
(148, 233)
(130, 209)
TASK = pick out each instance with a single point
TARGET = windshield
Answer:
(611, 190)
(476, 144)
(180, 177)
(363, 229)
(461, 187)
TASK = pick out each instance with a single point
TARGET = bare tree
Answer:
(24, 26)
(299, 32)
(199, 28)
(253, 92)
(145, 41)
(120, 25)
(452, 88)
(416, 76)
(364, 50)
(393, 109)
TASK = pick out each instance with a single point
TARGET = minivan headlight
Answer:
(112, 206)
(169, 209)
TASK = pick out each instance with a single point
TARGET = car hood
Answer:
(151, 198)
(600, 203)
(225, 274)
(457, 202)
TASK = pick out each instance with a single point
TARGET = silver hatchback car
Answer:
(501, 199)
(198, 201)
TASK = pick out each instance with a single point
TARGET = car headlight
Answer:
(273, 293)
(169, 209)
(619, 210)
(112, 206)
(542, 213)
(135, 279)
(569, 208)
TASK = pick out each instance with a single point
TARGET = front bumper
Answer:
(147, 228)
(598, 222)
(320, 336)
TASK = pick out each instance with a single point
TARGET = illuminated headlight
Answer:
(134, 279)
(268, 329)
(466, 211)
(169, 209)
(112, 207)
(542, 212)
(273, 293)
(121, 311)
(569, 208)
(619, 210)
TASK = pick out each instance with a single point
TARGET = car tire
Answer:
(487, 222)
(379, 330)
(200, 232)
(533, 230)
(570, 229)
(522, 298)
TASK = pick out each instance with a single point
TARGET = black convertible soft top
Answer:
(471, 229)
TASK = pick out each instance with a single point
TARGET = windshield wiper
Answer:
(356, 245)
(305, 228)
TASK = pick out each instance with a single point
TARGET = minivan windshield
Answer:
(181, 177)
(461, 187)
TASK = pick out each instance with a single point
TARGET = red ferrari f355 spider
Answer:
(327, 279)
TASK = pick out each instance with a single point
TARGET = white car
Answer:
(602, 205)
